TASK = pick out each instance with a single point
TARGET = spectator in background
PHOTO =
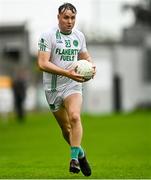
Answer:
(19, 91)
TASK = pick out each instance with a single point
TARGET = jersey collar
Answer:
(65, 33)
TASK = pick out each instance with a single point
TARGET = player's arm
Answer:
(45, 64)
(85, 55)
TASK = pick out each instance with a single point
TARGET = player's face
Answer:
(66, 21)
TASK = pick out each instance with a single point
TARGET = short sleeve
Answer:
(83, 43)
(44, 43)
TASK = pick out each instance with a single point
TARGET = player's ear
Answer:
(58, 16)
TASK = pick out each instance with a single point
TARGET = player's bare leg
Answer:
(73, 105)
(65, 125)
(63, 121)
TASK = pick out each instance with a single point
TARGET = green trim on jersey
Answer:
(58, 36)
(42, 44)
(53, 82)
(52, 106)
(66, 33)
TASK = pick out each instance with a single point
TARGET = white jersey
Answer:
(64, 50)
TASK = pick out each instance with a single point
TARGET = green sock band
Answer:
(81, 152)
(74, 152)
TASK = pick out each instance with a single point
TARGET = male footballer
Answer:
(59, 48)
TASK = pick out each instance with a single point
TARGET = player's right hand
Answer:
(75, 76)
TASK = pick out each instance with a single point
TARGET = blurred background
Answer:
(118, 38)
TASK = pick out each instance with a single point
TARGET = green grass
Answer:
(117, 145)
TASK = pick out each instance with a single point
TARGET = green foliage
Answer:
(117, 146)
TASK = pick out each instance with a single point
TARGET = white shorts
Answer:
(55, 98)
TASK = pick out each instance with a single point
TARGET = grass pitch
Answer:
(117, 146)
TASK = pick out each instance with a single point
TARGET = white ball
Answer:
(84, 67)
